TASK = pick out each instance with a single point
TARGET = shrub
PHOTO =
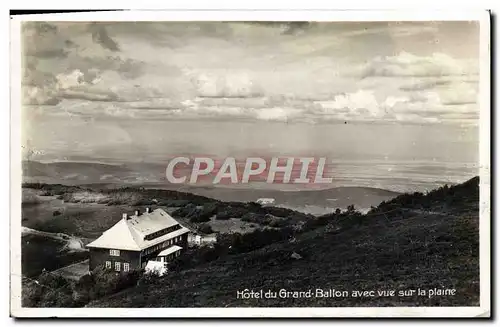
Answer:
(231, 211)
(256, 218)
(184, 211)
(278, 223)
(105, 282)
(199, 217)
(143, 202)
(149, 278)
(205, 229)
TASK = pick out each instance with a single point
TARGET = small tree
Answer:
(205, 229)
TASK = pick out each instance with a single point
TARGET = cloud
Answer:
(275, 71)
(94, 96)
(277, 114)
(126, 67)
(429, 83)
(33, 95)
(228, 84)
(361, 101)
(59, 57)
(43, 40)
(409, 65)
(73, 85)
(100, 36)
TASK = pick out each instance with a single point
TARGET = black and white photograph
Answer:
(249, 164)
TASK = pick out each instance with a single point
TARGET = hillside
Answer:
(413, 241)
(338, 197)
(151, 176)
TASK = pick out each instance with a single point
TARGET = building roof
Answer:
(170, 250)
(128, 234)
(148, 223)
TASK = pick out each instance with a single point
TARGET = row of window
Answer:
(163, 245)
(175, 240)
(168, 257)
(126, 266)
(162, 232)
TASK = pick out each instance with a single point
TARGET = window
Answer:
(126, 266)
(117, 266)
(114, 253)
(108, 264)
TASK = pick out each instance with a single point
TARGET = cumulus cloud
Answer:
(362, 101)
(59, 58)
(71, 85)
(226, 84)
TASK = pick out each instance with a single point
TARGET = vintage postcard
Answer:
(251, 164)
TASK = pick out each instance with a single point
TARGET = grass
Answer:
(418, 250)
(40, 252)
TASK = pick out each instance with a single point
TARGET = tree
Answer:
(205, 229)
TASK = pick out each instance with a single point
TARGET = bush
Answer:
(106, 282)
(196, 214)
(55, 291)
(277, 211)
(231, 212)
(260, 219)
(56, 213)
(143, 202)
(278, 223)
(184, 211)
(205, 229)
(200, 217)
(49, 291)
(149, 278)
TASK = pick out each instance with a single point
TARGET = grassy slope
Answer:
(434, 244)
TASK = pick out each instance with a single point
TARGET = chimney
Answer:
(137, 213)
(148, 210)
(124, 216)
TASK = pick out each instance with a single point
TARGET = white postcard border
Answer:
(268, 15)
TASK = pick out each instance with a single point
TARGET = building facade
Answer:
(133, 241)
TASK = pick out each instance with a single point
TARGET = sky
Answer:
(122, 90)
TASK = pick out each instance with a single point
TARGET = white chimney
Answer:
(148, 210)
(124, 216)
(137, 213)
